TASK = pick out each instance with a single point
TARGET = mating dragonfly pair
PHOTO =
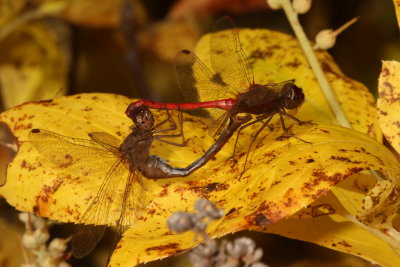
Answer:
(230, 89)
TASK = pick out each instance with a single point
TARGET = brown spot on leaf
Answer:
(345, 159)
(164, 192)
(87, 109)
(385, 72)
(321, 210)
(231, 211)
(170, 246)
(26, 165)
(270, 210)
(344, 244)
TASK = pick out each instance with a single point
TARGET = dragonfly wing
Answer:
(191, 73)
(133, 204)
(106, 140)
(227, 56)
(218, 125)
(85, 239)
(92, 224)
(79, 155)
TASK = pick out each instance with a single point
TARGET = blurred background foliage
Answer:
(53, 47)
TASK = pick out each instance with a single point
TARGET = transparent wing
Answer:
(227, 56)
(79, 155)
(134, 200)
(94, 221)
(192, 74)
(106, 140)
(133, 204)
(85, 239)
(217, 126)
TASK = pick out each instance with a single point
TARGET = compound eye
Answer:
(291, 95)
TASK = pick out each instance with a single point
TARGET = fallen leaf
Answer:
(95, 13)
(389, 103)
(276, 57)
(335, 231)
(9, 9)
(35, 63)
(293, 174)
(397, 9)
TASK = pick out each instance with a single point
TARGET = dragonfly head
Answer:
(142, 118)
(294, 97)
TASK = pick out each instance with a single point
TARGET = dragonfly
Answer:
(127, 163)
(230, 88)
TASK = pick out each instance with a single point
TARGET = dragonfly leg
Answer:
(174, 127)
(258, 119)
(283, 112)
(254, 137)
(287, 133)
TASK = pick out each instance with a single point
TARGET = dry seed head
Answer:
(23, 217)
(29, 241)
(301, 6)
(58, 244)
(41, 236)
(274, 4)
(325, 39)
(180, 222)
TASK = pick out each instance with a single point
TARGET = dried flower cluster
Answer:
(240, 252)
(35, 237)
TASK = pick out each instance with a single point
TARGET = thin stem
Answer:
(345, 26)
(316, 67)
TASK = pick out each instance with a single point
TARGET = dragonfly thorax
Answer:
(260, 99)
(136, 147)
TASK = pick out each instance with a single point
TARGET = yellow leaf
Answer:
(335, 231)
(397, 9)
(35, 63)
(95, 13)
(389, 102)
(276, 57)
(9, 9)
(283, 176)
(293, 174)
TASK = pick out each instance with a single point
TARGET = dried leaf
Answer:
(95, 13)
(9, 9)
(336, 231)
(283, 176)
(34, 62)
(389, 102)
(397, 9)
(276, 57)
(288, 181)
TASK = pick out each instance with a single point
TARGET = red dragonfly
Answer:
(231, 88)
